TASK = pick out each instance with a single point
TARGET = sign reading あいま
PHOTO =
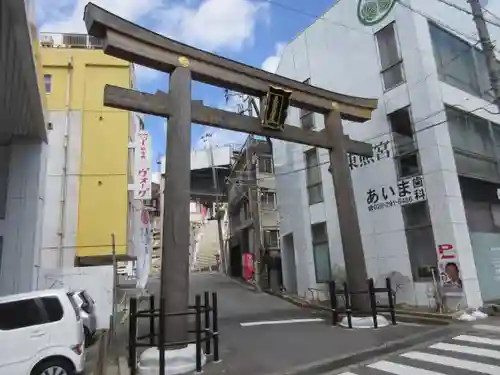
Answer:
(407, 191)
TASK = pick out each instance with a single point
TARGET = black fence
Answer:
(205, 330)
(375, 308)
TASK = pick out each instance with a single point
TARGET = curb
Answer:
(402, 315)
(323, 366)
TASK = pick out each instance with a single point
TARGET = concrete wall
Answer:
(98, 281)
(21, 227)
(59, 239)
(357, 73)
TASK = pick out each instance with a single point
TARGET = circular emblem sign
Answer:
(371, 12)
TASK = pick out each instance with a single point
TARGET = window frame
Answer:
(267, 238)
(265, 192)
(321, 242)
(314, 185)
(266, 161)
(419, 227)
(396, 63)
(47, 82)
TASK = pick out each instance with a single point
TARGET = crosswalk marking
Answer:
(454, 362)
(467, 350)
(347, 373)
(478, 340)
(486, 327)
(399, 369)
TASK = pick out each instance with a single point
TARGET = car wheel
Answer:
(53, 367)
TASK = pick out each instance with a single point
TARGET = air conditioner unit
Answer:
(47, 41)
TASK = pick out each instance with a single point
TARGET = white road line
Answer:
(396, 368)
(486, 327)
(478, 340)
(290, 321)
(454, 362)
(467, 350)
(347, 373)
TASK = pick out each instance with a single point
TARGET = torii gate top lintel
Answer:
(128, 41)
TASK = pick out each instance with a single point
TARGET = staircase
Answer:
(207, 248)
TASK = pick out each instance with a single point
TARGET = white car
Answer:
(41, 333)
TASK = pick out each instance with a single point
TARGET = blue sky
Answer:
(249, 31)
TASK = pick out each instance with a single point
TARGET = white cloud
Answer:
(271, 63)
(65, 16)
(211, 25)
(215, 24)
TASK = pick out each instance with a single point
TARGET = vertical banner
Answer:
(144, 250)
(142, 166)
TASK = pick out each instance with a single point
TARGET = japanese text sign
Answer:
(381, 151)
(407, 191)
(142, 166)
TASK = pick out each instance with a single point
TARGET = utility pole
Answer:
(488, 48)
(215, 180)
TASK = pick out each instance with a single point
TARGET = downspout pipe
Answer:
(64, 182)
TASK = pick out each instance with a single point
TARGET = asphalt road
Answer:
(249, 347)
(470, 352)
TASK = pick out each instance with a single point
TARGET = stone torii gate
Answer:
(127, 41)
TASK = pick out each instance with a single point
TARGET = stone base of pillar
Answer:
(179, 361)
(365, 322)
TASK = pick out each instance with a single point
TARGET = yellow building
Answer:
(88, 171)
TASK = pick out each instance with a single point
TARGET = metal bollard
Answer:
(152, 320)
(197, 329)
(373, 302)
(348, 307)
(333, 302)
(215, 327)
(132, 336)
(161, 335)
(391, 300)
(206, 319)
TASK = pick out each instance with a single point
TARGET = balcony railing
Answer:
(58, 40)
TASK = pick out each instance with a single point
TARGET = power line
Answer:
(457, 7)
(315, 16)
(386, 133)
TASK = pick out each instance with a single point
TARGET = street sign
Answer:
(276, 108)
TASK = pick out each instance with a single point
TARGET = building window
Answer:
(307, 117)
(405, 144)
(475, 144)
(420, 240)
(321, 252)
(47, 80)
(271, 239)
(460, 64)
(390, 58)
(266, 164)
(268, 199)
(402, 131)
(313, 177)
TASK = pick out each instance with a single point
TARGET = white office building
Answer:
(430, 195)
